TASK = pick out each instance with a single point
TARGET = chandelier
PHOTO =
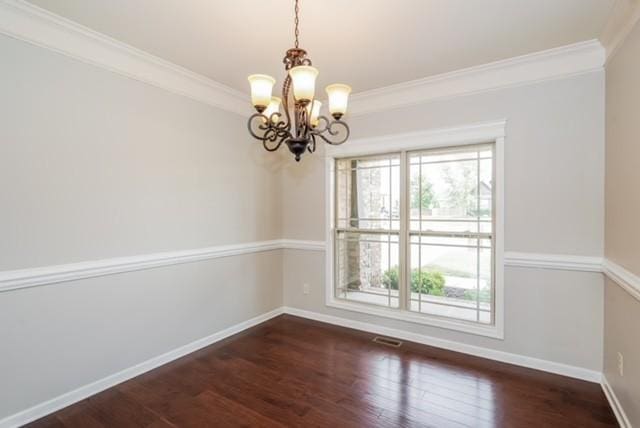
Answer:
(302, 123)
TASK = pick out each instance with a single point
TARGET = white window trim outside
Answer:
(488, 132)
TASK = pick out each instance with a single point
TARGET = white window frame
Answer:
(488, 132)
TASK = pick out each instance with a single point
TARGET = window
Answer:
(414, 235)
(368, 229)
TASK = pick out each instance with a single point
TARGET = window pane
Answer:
(368, 268)
(368, 193)
(451, 276)
(450, 226)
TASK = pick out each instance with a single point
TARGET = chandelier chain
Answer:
(297, 22)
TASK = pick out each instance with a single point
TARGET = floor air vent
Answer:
(387, 341)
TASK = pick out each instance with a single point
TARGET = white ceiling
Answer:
(365, 43)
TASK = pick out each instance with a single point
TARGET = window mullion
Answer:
(404, 278)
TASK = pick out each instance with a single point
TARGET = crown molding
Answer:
(24, 21)
(554, 63)
(622, 19)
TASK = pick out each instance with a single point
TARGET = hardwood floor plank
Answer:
(292, 372)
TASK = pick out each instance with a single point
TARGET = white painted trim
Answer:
(624, 278)
(412, 317)
(554, 63)
(498, 241)
(609, 392)
(623, 18)
(296, 244)
(475, 133)
(553, 261)
(24, 278)
(506, 357)
(485, 132)
(25, 21)
(511, 258)
(32, 277)
(88, 390)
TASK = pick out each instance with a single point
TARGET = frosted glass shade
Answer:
(338, 98)
(261, 87)
(314, 112)
(273, 107)
(304, 82)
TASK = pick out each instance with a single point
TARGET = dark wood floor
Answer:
(295, 372)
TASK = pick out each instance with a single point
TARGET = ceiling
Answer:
(365, 43)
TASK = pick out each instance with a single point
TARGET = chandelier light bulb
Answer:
(304, 83)
(261, 87)
(338, 99)
(273, 107)
(314, 113)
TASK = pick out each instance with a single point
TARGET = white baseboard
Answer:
(85, 391)
(505, 357)
(64, 400)
(621, 416)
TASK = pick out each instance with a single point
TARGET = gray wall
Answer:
(94, 165)
(622, 311)
(554, 193)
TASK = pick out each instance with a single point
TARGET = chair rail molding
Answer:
(553, 261)
(624, 278)
(33, 277)
(27, 22)
(622, 19)
(45, 275)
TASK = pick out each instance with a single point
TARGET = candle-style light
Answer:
(338, 99)
(314, 112)
(261, 88)
(273, 107)
(304, 83)
(300, 123)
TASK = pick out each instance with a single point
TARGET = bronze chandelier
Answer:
(302, 123)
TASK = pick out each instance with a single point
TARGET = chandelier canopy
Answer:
(302, 122)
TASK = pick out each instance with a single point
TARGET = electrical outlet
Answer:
(620, 364)
(305, 288)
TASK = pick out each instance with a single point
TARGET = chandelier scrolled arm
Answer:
(301, 125)
(328, 131)
(273, 130)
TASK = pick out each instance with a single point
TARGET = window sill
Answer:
(492, 331)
